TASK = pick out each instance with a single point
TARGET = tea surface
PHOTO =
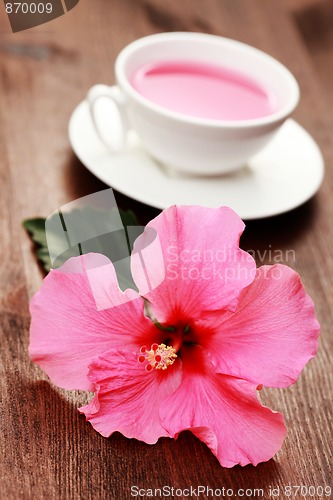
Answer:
(203, 90)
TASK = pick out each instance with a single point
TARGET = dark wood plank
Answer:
(46, 449)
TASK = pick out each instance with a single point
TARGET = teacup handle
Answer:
(115, 94)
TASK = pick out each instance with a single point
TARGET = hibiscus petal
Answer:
(202, 265)
(224, 413)
(69, 326)
(128, 397)
(273, 333)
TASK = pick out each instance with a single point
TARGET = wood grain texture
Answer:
(48, 451)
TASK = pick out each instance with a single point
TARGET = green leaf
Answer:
(43, 255)
(90, 221)
(128, 218)
(36, 227)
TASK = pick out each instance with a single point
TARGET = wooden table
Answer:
(48, 451)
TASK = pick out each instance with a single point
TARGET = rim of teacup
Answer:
(275, 117)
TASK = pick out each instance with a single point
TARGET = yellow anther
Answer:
(158, 357)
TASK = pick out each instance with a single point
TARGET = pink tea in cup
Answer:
(203, 90)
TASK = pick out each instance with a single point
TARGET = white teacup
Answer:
(196, 144)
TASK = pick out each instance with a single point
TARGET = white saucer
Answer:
(283, 176)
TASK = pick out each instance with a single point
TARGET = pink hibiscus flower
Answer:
(188, 354)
